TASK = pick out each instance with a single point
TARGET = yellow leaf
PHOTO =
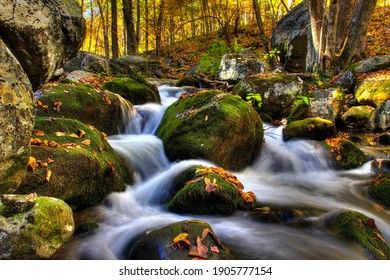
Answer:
(74, 136)
(32, 163)
(81, 133)
(60, 134)
(206, 118)
(180, 237)
(86, 142)
(48, 175)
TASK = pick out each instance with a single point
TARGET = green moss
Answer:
(373, 93)
(131, 90)
(81, 174)
(84, 103)
(212, 125)
(345, 155)
(362, 230)
(10, 179)
(380, 189)
(310, 128)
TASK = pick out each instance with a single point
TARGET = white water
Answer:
(293, 174)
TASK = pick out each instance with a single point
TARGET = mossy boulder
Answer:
(278, 93)
(73, 162)
(214, 126)
(327, 104)
(310, 128)
(195, 240)
(190, 81)
(134, 91)
(373, 92)
(344, 154)
(379, 189)
(102, 109)
(362, 230)
(359, 117)
(33, 227)
(207, 190)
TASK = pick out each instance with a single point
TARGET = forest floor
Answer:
(190, 51)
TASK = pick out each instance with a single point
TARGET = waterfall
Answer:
(294, 174)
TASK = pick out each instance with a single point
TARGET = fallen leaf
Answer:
(205, 233)
(180, 237)
(206, 118)
(48, 175)
(50, 160)
(42, 163)
(81, 133)
(35, 141)
(38, 133)
(32, 163)
(86, 142)
(60, 134)
(57, 106)
(73, 135)
(214, 249)
(210, 187)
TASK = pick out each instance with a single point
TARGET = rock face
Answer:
(16, 120)
(212, 125)
(33, 227)
(290, 38)
(73, 162)
(382, 116)
(183, 240)
(372, 64)
(373, 92)
(359, 117)
(234, 67)
(327, 104)
(278, 93)
(310, 128)
(42, 35)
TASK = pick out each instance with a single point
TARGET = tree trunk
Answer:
(131, 42)
(317, 13)
(104, 22)
(259, 21)
(357, 32)
(346, 9)
(114, 29)
(330, 45)
(146, 25)
(159, 28)
(138, 24)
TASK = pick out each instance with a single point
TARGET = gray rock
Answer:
(327, 104)
(372, 64)
(42, 35)
(382, 116)
(234, 67)
(346, 81)
(360, 117)
(16, 120)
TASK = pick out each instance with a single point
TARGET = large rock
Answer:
(291, 38)
(373, 92)
(234, 67)
(372, 64)
(212, 125)
(206, 190)
(310, 128)
(327, 104)
(33, 227)
(278, 93)
(379, 188)
(42, 35)
(359, 117)
(16, 120)
(73, 162)
(104, 110)
(382, 116)
(183, 240)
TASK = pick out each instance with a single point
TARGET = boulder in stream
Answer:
(310, 128)
(379, 188)
(184, 240)
(212, 125)
(33, 227)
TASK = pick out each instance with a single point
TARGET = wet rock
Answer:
(383, 139)
(188, 81)
(310, 128)
(344, 154)
(346, 81)
(79, 75)
(382, 116)
(278, 93)
(235, 67)
(196, 241)
(73, 162)
(133, 91)
(95, 64)
(16, 120)
(212, 125)
(327, 104)
(207, 190)
(135, 63)
(359, 117)
(372, 64)
(42, 35)
(379, 188)
(34, 227)
(276, 215)
(362, 230)
(380, 166)
(104, 110)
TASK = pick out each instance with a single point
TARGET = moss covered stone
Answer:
(83, 170)
(102, 109)
(159, 244)
(310, 128)
(212, 125)
(188, 81)
(359, 117)
(344, 154)
(380, 189)
(362, 230)
(37, 231)
(373, 92)
(203, 190)
(278, 93)
(137, 93)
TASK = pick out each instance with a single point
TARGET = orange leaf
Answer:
(35, 141)
(201, 249)
(50, 160)
(48, 175)
(38, 132)
(86, 142)
(205, 233)
(81, 133)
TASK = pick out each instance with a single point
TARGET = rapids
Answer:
(292, 174)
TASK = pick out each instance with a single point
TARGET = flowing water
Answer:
(292, 174)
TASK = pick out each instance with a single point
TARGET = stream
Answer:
(292, 174)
